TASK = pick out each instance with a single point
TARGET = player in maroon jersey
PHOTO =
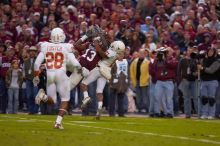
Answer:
(94, 52)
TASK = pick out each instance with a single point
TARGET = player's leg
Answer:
(93, 75)
(99, 93)
(75, 78)
(64, 92)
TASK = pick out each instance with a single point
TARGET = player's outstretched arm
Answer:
(73, 61)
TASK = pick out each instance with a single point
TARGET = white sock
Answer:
(59, 119)
(100, 103)
(85, 94)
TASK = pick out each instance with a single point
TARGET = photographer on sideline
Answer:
(209, 84)
(187, 72)
(164, 70)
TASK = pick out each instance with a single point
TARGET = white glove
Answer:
(36, 81)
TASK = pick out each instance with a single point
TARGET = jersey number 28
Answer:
(54, 60)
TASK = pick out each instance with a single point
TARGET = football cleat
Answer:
(85, 102)
(58, 126)
(98, 114)
(210, 118)
(41, 96)
(203, 117)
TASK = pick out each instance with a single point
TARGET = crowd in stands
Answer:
(172, 50)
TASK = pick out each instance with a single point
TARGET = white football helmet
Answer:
(57, 35)
(117, 46)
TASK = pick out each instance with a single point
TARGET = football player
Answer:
(94, 52)
(57, 55)
(101, 73)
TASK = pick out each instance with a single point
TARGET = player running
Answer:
(57, 55)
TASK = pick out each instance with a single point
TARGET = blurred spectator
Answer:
(149, 44)
(166, 40)
(204, 46)
(187, 72)
(214, 23)
(209, 84)
(152, 85)
(178, 36)
(118, 86)
(139, 75)
(135, 42)
(5, 64)
(38, 24)
(146, 8)
(164, 68)
(28, 73)
(145, 28)
(217, 113)
(44, 35)
(14, 79)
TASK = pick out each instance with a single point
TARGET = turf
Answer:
(37, 130)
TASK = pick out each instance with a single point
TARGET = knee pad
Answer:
(204, 100)
(211, 101)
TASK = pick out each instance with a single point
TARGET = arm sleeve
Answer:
(72, 60)
(213, 68)
(38, 61)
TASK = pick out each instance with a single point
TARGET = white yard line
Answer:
(132, 132)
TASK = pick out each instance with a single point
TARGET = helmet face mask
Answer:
(57, 35)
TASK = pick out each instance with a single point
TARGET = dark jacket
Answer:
(211, 69)
(29, 69)
(187, 69)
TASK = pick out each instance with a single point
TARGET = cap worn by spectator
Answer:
(201, 2)
(207, 34)
(8, 41)
(32, 48)
(72, 8)
(36, 14)
(177, 13)
(148, 18)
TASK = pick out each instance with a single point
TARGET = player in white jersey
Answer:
(57, 56)
(102, 73)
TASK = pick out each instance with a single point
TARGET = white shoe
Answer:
(210, 117)
(98, 114)
(203, 117)
(85, 102)
(143, 111)
(41, 96)
(58, 126)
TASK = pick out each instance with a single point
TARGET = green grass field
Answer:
(37, 130)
